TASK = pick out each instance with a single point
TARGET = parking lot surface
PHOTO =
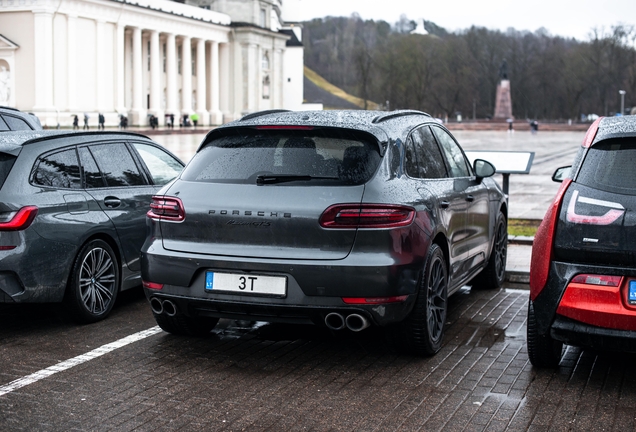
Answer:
(257, 376)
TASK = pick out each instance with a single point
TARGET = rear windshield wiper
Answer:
(282, 178)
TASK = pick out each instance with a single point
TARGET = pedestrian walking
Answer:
(86, 121)
(75, 122)
(511, 128)
(195, 118)
(101, 121)
(171, 121)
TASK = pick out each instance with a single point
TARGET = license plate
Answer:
(631, 297)
(245, 283)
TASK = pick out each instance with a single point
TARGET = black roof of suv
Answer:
(12, 119)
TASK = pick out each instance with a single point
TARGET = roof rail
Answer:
(400, 113)
(67, 133)
(262, 113)
(10, 108)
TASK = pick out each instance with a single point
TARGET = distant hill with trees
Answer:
(444, 72)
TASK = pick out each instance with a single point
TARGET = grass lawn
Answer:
(523, 227)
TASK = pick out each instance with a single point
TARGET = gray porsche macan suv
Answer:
(341, 218)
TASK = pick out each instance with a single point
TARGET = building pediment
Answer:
(7, 44)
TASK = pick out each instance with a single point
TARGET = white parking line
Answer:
(83, 358)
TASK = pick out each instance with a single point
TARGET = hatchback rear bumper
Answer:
(575, 333)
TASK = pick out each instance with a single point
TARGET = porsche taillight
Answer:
(366, 216)
(166, 209)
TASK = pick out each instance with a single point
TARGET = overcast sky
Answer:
(569, 18)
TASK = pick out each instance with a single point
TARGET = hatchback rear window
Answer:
(322, 156)
(611, 166)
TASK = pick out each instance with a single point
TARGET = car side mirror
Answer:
(561, 174)
(483, 168)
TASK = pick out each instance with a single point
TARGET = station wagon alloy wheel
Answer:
(95, 282)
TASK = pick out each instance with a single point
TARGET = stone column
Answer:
(120, 62)
(155, 77)
(216, 117)
(43, 67)
(100, 57)
(71, 52)
(138, 111)
(186, 75)
(224, 82)
(204, 116)
(172, 107)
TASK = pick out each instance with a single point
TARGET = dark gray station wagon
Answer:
(341, 218)
(73, 215)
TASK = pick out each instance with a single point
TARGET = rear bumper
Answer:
(584, 335)
(313, 312)
(314, 288)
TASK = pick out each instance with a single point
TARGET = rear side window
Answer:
(6, 163)
(16, 123)
(611, 166)
(3, 125)
(60, 170)
(426, 161)
(320, 156)
(117, 165)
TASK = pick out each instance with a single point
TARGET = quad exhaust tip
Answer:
(159, 307)
(354, 322)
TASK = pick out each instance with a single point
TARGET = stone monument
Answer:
(503, 101)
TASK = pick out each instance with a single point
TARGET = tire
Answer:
(186, 326)
(94, 283)
(422, 332)
(543, 350)
(494, 274)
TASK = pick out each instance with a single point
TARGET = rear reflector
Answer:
(367, 216)
(152, 285)
(603, 280)
(542, 245)
(374, 300)
(21, 220)
(166, 208)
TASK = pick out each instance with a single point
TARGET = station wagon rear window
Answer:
(288, 157)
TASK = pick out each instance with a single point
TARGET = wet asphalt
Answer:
(56, 375)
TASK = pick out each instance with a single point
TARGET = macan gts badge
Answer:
(346, 219)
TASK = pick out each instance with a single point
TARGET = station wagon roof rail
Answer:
(384, 117)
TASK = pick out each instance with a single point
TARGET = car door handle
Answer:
(470, 198)
(112, 202)
(444, 204)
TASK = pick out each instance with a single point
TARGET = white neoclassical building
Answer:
(139, 58)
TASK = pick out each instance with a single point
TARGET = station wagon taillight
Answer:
(366, 216)
(21, 220)
(166, 209)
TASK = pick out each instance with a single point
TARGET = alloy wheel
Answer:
(97, 280)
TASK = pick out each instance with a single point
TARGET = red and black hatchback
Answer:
(583, 270)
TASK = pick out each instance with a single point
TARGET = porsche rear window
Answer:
(611, 166)
(319, 157)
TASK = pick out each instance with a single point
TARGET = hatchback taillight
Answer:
(542, 244)
(166, 209)
(366, 216)
(21, 220)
